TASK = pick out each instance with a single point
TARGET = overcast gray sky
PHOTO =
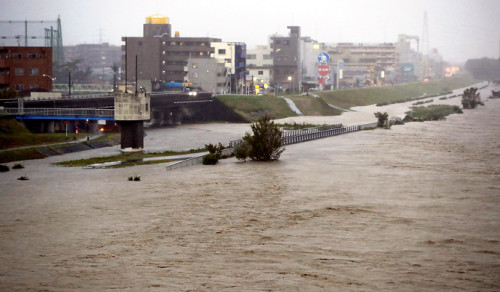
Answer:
(459, 29)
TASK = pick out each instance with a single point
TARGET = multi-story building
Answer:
(233, 56)
(207, 74)
(259, 66)
(160, 56)
(408, 68)
(100, 58)
(364, 63)
(287, 63)
(26, 68)
(310, 50)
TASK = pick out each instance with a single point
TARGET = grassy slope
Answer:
(311, 106)
(13, 134)
(373, 95)
(253, 107)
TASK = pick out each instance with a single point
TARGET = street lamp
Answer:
(45, 75)
(51, 78)
(291, 86)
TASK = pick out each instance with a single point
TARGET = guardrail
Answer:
(89, 112)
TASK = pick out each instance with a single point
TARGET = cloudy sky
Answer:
(459, 29)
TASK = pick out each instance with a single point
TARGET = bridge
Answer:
(62, 113)
(96, 111)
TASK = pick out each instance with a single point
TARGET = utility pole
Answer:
(69, 83)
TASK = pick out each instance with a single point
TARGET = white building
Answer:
(259, 65)
(233, 56)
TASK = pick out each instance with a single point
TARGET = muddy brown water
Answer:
(413, 208)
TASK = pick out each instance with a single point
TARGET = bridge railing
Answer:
(83, 88)
(89, 112)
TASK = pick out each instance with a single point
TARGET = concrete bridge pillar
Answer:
(132, 134)
(93, 127)
(50, 126)
(176, 117)
(157, 118)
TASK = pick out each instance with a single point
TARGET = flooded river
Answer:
(413, 208)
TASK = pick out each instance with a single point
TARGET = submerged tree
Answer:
(471, 98)
(266, 141)
(382, 119)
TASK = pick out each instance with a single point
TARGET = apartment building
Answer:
(100, 58)
(26, 68)
(159, 56)
(364, 63)
(259, 65)
(233, 56)
(287, 63)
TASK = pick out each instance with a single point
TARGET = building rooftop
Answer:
(157, 19)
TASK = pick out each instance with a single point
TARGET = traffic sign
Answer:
(323, 70)
(323, 58)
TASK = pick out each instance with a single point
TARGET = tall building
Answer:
(286, 53)
(160, 56)
(26, 68)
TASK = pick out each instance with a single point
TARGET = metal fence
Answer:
(298, 136)
(89, 112)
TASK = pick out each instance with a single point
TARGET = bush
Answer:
(4, 168)
(383, 119)
(17, 166)
(210, 159)
(242, 150)
(471, 98)
(431, 113)
(266, 142)
(217, 150)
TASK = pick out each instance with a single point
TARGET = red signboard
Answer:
(323, 70)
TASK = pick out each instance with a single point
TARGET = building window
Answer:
(260, 72)
(19, 71)
(163, 72)
(163, 52)
(19, 87)
(34, 71)
(267, 57)
(201, 53)
(139, 43)
(222, 51)
(33, 86)
(17, 56)
(251, 57)
(31, 56)
(228, 61)
(286, 42)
